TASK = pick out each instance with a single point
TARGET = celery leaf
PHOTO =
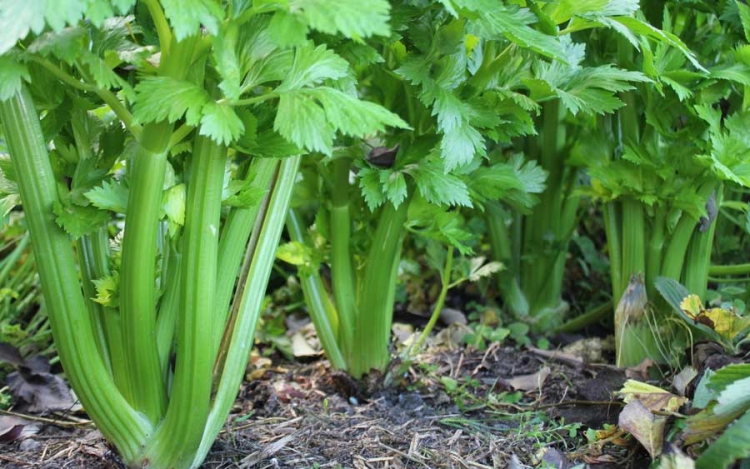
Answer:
(12, 75)
(311, 66)
(309, 118)
(437, 187)
(165, 98)
(189, 16)
(369, 182)
(512, 23)
(78, 221)
(221, 123)
(302, 121)
(353, 18)
(109, 196)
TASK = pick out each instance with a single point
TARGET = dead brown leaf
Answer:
(646, 427)
(682, 380)
(529, 382)
(11, 427)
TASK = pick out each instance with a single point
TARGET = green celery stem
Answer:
(233, 240)
(445, 279)
(373, 322)
(735, 269)
(270, 226)
(500, 244)
(655, 250)
(342, 272)
(70, 321)
(321, 308)
(138, 272)
(88, 274)
(614, 247)
(178, 437)
(633, 239)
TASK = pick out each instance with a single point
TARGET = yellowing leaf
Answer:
(692, 306)
(653, 398)
(646, 427)
(726, 322)
(292, 253)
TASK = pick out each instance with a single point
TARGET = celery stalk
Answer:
(256, 272)
(71, 327)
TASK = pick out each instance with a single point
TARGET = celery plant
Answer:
(576, 99)
(673, 149)
(155, 155)
(450, 73)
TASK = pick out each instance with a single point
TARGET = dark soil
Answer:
(456, 409)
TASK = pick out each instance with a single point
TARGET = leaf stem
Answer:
(445, 279)
(322, 310)
(162, 26)
(107, 96)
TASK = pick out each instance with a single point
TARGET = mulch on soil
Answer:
(456, 409)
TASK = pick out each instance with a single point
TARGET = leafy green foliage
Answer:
(188, 16)
(109, 196)
(309, 118)
(18, 19)
(356, 19)
(165, 98)
(12, 74)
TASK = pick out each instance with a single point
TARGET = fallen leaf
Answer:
(682, 380)
(529, 382)
(301, 348)
(452, 337)
(653, 398)
(554, 458)
(404, 333)
(11, 428)
(39, 389)
(10, 355)
(599, 459)
(268, 451)
(645, 427)
(515, 463)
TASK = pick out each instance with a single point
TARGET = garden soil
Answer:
(451, 408)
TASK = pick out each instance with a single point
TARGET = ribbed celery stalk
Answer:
(377, 292)
(169, 306)
(256, 272)
(655, 248)
(139, 249)
(695, 274)
(233, 241)
(96, 315)
(94, 251)
(612, 222)
(71, 327)
(322, 310)
(343, 277)
(180, 433)
(634, 239)
(674, 257)
(501, 244)
(138, 272)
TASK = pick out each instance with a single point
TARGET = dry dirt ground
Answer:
(462, 408)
